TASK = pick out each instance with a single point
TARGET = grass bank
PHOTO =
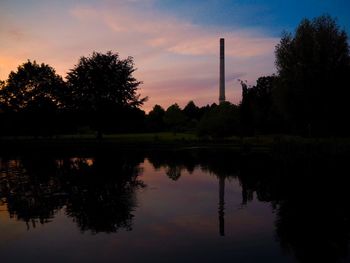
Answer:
(276, 143)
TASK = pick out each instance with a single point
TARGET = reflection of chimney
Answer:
(222, 205)
(222, 70)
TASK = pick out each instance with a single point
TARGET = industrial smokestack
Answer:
(222, 70)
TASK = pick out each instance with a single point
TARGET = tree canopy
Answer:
(174, 118)
(103, 81)
(155, 121)
(103, 85)
(191, 111)
(313, 69)
(258, 111)
(220, 121)
(32, 86)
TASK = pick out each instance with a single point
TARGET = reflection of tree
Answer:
(29, 198)
(98, 193)
(313, 214)
(174, 172)
(222, 206)
(309, 195)
(174, 162)
(103, 199)
(214, 162)
(314, 232)
(310, 198)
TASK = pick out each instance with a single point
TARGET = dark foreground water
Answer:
(174, 206)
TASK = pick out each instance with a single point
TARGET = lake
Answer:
(190, 205)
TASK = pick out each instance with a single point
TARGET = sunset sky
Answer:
(175, 44)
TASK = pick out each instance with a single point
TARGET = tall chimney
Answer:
(222, 70)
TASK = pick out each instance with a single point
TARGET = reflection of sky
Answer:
(10, 229)
(175, 221)
(174, 43)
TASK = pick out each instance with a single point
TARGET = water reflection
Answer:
(222, 206)
(309, 195)
(98, 193)
(313, 210)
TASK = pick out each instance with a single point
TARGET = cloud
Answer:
(173, 35)
(177, 49)
(176, 59)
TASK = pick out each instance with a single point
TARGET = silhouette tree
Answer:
(313, 66)
(30, 98)
(2, 100)
(220, 121)
(2, 84)
(103, 84)
(174, 118)
(258, 110)
(192, 114)
(33, 85)
(246, 110)
(191, 111)
(155, 120)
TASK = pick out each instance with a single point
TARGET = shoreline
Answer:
(167, 141)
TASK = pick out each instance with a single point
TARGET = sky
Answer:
(174, 43)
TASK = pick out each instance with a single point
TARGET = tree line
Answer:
(100, 94)
(309, 93)
(307, 96)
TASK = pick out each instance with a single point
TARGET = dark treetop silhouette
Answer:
(33, 87)
(313, 68)
(309, 94)
(103, 84)
(30, 98)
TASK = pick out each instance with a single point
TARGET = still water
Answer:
(173, 206)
